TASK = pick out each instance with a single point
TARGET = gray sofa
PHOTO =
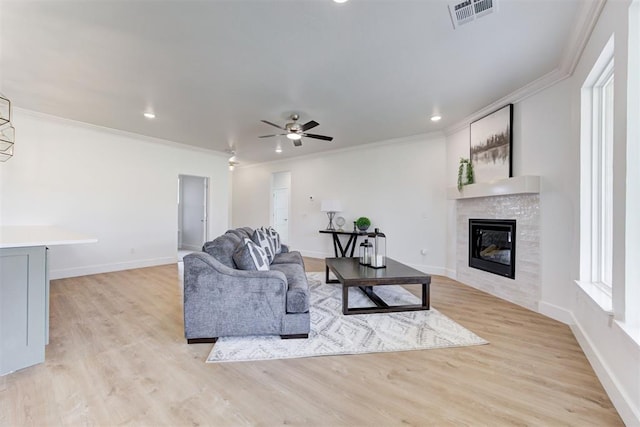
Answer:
(221, 300)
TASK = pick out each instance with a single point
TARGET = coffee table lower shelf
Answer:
(381, 306)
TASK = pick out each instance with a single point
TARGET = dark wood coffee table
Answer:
(350, 273)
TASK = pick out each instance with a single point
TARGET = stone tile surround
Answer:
(525, 289)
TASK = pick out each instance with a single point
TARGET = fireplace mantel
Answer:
(528, 184)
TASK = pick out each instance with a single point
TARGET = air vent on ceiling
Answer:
(463, 12)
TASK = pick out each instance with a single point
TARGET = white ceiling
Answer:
(367, 71)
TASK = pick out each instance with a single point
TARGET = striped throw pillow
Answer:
(272, 234)
(261, 239)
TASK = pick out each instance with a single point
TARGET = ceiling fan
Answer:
(295, 131)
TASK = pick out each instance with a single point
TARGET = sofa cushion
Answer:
(249, 256)
(293, 257)
(298, 287)
(222, 248)
(236, 232)
(261, 239)
(246, 231)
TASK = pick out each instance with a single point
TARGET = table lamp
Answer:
(330, 207)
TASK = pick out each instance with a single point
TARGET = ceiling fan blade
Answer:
(272, 124)
(297, 143)
(322, 137)
(269, 136)
(309, 125)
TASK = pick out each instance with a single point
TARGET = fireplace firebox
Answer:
(492, 246)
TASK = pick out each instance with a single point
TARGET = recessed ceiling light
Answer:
(150, 115)
(340, 1)
(278, 149)
(436, 118)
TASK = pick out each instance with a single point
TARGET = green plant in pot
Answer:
(363, 223)
(465, 173)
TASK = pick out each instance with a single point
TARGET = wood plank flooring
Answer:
(117, 355)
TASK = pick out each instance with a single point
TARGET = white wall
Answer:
(614, 355)
(400, 185)
(458, 146)
(546, 143)
(120, 188)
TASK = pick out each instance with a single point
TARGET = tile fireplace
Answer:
(524, 287)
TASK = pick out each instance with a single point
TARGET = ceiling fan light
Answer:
(294, 136)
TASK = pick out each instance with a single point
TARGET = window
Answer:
(632, 230)
(596, 180)
(602, 181)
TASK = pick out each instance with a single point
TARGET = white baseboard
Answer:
(314, 254)
(191, 247)
(556, 313)
(451, 274)
(429, 269)
(63, 273)
(629, 411)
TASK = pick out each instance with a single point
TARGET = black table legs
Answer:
(341, 251)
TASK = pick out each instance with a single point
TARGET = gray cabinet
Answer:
(24, 307)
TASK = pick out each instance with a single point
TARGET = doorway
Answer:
(280, 195)
(193, 212)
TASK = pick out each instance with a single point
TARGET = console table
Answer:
(24, 292)
(341, 251)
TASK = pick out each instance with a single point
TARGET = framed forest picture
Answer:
(491, 145)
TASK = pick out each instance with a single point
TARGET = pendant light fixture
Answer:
(7, 131)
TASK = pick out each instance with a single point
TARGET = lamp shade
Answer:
(330, 206)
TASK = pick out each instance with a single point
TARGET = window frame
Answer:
(596, 180)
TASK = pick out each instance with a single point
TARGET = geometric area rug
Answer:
(333, 333)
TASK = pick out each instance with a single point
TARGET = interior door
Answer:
(281, 213)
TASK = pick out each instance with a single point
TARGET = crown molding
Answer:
(422, 137)
(119, 132)
(585, 22)
(524, 92)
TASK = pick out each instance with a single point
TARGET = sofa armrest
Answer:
(221, 301)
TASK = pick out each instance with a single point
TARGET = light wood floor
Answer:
(117, 355)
